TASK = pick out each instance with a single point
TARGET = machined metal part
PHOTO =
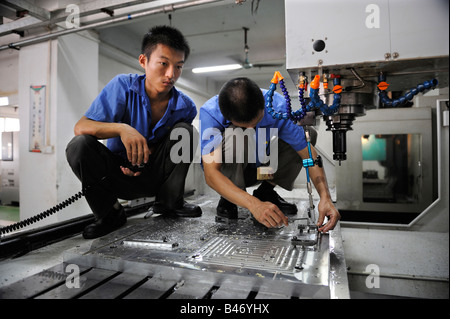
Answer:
(308, 235)
(152, 244)
(242, 259)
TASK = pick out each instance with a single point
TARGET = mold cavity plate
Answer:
(266, 256)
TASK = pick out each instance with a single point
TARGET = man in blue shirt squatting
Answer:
(136, 114)
(241, 105)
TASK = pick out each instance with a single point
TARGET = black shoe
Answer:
(227, 209)
(272, 196)
(114, 220)
(187, 210)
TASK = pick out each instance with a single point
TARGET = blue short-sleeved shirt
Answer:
(124, 100)
(213, 124)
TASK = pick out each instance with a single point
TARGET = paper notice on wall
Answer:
(37, 118)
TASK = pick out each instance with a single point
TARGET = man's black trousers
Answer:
(99, 171)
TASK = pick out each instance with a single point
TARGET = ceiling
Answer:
(216, 36)
(214, 29)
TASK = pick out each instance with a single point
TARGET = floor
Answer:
(9, 215)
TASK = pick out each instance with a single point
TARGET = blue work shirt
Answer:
(124, 100)
(213, 124)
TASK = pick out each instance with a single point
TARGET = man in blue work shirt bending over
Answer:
(240, 106)
(136, 114)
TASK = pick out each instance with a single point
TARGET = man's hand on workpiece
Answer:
(327, 209)
(269, 214)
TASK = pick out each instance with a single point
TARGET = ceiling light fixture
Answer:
(226, 67)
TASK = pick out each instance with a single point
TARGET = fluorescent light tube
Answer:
(216, 68)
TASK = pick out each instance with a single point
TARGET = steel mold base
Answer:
(163, 257)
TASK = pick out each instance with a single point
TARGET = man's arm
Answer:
(135, 144)
(266, 213)
(326, 207)
(101, 130)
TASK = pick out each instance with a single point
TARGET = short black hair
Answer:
(240, 100)
(166, 35)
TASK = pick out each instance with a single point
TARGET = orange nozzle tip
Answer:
(280, 77)
(383, 86)
(277, 77)
(337, 89)
(315, 83)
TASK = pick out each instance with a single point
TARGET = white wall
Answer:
(37, 171)
(108, 68)
(70, 75)
(77, 86)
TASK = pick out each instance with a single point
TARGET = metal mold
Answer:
(161, 257)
